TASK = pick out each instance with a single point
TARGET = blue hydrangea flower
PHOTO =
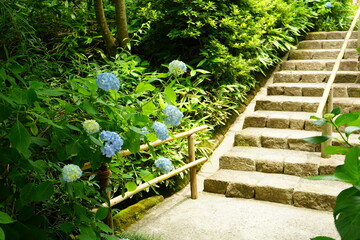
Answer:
(124, 239)
(71, 172)
(113, 143)
(173, 116)
(328, 5)
(164, 164)
(161, 130)
(145, 131)
(177, 67)
(107, 81)
(91, 126)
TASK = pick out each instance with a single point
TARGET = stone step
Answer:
(319, 65)
(289, 76)
(280, 188)
(268, 160)
(281, 119)
(283, 139)
(329, 35)
(304, 104)
(303, 54)
(326, 44)
(313, 89)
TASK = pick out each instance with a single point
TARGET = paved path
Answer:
(214, 217)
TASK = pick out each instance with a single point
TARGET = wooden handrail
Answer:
(320, 110)
(326, 104)
(143, 186)
(145, 147)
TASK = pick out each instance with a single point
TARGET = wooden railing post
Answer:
(327, 128)
(193, 181)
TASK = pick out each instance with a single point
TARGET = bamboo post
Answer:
(193, 181)
(327, 128)
(104, 175)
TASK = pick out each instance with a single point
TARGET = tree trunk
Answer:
(104, 175)
(110, 41)
(121, 23)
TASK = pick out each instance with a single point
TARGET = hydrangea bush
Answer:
(56, 140)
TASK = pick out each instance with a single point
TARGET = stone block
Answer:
(353, 91)
(270, 163)
(310, 45)
(340, 91)
(296, 123)
(275, 90)
(288, 77)
(328, 165)
(242, 139)
(295, 143)
(240, 190)
(288, 65)
(237, 163)
(291, 106)
(313, 78)
(215, 186)
(312, 91)
(316, 35)
(335, 35)
(255, 121)
(301, 165)
(351, 53)
(300, 54)
(332, 44)
(268, 105)
(277, 188)
(347, 77)
(292, 91)
(309, 107)
(274, 140)
(325, 54)
(278, 121)
(315, 65)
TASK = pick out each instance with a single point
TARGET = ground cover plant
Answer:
(65, 100)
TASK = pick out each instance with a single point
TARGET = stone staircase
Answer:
(269, 159)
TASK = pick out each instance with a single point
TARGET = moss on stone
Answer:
(134, 213)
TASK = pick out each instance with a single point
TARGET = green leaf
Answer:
(148, 108)
(104, 228)
(349, 130)
(42, 142)
(336, 111)
(347, 214)
(352, 165)
(323, 177)
(67, 227)
(346, 118)
(86, 233)
(320, 122)
(20, 138)
(43, 192)
(39, 166)
(170, 95)
(5, 218)
(2, 234)
(102, 213)
(336, 150)
(52, 92)
(131, 186)
(316, 139)
(322, 238)
(96, 141)
(5, 112)
(26, 193)
(88, 107)
(146, 175)
(143, 87)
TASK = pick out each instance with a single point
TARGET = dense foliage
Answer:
(52, 98)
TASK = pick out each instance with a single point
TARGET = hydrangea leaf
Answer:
(20, 138)
(349, 130)
(86, 233)
(170, 94)
(105, 228)
(5, 218)
(102, 213)
(144, 87)
(148, 108)
(322, 238)
(43, 191)
(131, 186)
(346, 118)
